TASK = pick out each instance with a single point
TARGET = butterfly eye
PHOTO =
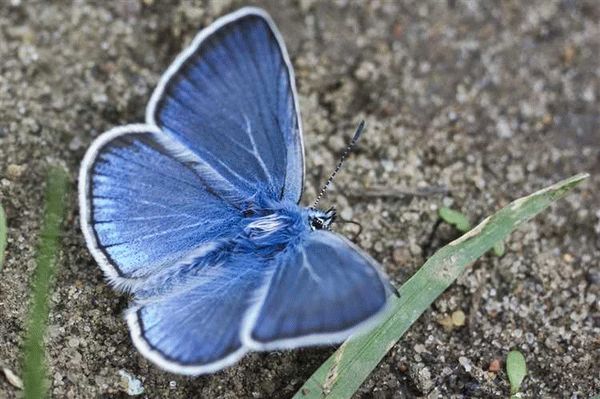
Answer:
(316, 224)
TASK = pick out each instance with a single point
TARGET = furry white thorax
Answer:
(266, 225)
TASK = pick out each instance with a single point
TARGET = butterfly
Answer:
(196, 213)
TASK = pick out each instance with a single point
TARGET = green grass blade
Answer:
(3, 235)
(343, 373)
(34, 379)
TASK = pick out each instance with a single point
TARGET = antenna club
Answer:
(359, 130)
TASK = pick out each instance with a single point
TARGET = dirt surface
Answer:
(492, 100)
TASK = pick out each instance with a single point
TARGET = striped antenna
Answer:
(357, 133)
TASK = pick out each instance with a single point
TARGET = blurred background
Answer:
(488, 100)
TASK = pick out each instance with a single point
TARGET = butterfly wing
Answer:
(320, 293)
(227, 105)
(231, 98)
(147, 202)
(193, 328)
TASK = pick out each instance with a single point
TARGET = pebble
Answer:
(446, 322)
(12, 378)
(494, 366)
(14, 171)
(458, 318)
(421, 377)
(419, 348)
(593, 277)
(465, 363)
(130, 384)
(347, 213)
(503, 129)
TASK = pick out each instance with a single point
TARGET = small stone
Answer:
(379, 395)
(447, 323)
(268, 386)
(551, 343)
(75, 144)
(593, 277)
(458, 318)
(12, 378)
(130, 384)
(347, 213)
(421, 377)
(76, 358)
(569, 54)
(306, 5)
(567, 257)
(13, 171)
(517, 333)
(401, 256)
(494, 366)
(466, 363)
(515, 173)
(434, 394)
(529, 338)
(415, 249)
(504, 130)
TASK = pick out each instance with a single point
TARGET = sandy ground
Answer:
(491, 99)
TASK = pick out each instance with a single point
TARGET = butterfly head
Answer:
(321, 220)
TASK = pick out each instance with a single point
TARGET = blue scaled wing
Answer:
(231, 98)
(147, 202)
(321, 292)
(195, 328)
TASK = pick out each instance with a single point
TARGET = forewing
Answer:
(231, 99)
(146, 202)
(195, 328)
(321, 292)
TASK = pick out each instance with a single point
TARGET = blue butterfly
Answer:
(196, 212)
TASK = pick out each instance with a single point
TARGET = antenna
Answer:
(357, 133)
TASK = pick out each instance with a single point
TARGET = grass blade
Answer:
(343, 373)
(3, 235)
(33, 368)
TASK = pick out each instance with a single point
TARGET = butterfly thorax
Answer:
(273, 225)
(281, 224)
